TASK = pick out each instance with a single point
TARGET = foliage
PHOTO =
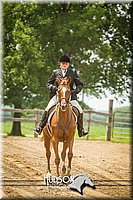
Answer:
(84, 106)
(96, 36)
(22, 58)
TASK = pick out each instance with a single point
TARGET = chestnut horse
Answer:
(62, 129)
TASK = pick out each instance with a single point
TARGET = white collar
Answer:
(64, 70)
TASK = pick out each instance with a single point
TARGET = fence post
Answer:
(89, 118)
(36, 124)
(109, 120)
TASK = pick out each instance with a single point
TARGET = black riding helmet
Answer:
(64, 58)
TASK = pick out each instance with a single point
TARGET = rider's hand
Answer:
(54, 88)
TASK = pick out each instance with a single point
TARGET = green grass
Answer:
(26, 128)
(97, 132)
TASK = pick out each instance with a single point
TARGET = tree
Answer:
(22, 60)
(96, 36)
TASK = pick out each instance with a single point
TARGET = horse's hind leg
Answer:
(70, 155)
(63, 156)
(48, 153)
(57, 159)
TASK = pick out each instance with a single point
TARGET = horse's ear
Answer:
(69, 80)
(59, 80)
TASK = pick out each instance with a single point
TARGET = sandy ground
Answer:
(106, 163)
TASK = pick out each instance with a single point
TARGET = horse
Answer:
(62, 129)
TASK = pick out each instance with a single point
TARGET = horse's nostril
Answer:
(63, 104)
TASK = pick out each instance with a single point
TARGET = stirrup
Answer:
(38, 130)
(82, 133)
(85, 133)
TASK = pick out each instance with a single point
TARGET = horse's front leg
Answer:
(63, 156)
(70, 155)
(57, 158)
(48, 153)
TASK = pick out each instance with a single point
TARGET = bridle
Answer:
(66, 99)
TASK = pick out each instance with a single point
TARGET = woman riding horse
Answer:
(64, 71)
(61, 128)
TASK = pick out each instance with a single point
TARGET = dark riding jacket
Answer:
(75, 80)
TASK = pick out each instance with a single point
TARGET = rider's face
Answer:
(64, 65)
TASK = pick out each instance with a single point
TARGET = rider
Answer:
(64, 71)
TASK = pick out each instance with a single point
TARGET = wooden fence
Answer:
(38, 112)
(35, 119)
(108, 123)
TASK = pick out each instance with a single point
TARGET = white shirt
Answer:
(64, 72)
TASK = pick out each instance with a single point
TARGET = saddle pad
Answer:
(75, 112)
(51, 112)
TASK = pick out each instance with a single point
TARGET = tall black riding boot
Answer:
(42, 123)
(80, 126)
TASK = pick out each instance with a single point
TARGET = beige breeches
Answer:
(54, 101)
